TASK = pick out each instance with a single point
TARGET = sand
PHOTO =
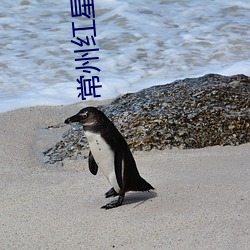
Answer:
(201, 198)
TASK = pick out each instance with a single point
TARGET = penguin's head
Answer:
(88, 117)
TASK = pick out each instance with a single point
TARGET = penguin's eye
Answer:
(84, 115)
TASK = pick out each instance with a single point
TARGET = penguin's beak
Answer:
(74, 118)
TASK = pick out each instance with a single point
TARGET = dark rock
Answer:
(190, 113)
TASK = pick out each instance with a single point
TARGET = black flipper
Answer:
(93, 167)
(111, 193)
(118, 166)
(115, 203)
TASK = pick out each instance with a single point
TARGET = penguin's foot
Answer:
(111, 193)
(113, 204)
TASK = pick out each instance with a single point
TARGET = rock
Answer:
(190, 113)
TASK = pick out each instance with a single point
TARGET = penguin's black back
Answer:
(132, 180)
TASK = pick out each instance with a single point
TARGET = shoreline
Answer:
(201, 198)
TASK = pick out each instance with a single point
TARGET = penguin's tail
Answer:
(141, 185)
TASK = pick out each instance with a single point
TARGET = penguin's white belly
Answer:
(104, 157)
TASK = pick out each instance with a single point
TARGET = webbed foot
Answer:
(113, 204)
(111, 193)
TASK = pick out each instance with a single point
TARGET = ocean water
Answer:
(141, 43)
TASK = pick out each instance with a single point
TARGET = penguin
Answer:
(110, 152)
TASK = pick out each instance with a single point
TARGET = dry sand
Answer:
(201, 201)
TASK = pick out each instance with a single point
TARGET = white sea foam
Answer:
(142, 43)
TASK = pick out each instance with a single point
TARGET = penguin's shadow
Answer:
(137, 198)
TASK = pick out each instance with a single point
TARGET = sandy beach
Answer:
(201, 198)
